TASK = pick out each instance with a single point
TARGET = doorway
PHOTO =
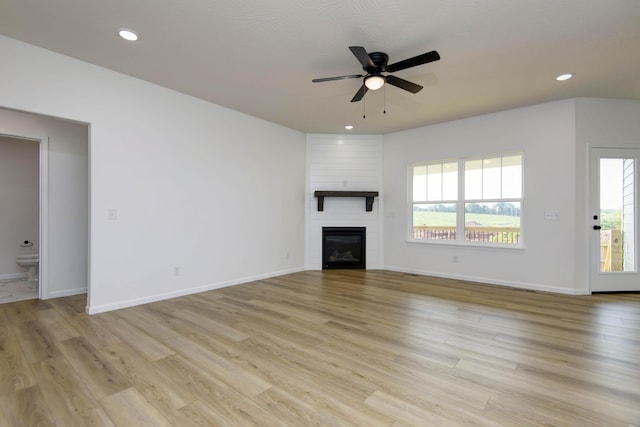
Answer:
(64, 198)
(24, 183)
(614, 186)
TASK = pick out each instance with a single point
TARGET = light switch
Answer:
(112, 214)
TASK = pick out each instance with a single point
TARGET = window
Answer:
(435, 195)
(474, 200)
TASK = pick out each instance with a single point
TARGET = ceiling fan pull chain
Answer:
(364, 108)
(384, 105)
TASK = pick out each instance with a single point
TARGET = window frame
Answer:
(461, 201)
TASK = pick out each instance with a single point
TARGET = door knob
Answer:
(596, 227)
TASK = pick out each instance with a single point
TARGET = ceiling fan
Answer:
(375, 63)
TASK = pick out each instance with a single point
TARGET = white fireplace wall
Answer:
(346, 163)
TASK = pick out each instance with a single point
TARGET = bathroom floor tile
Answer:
(17, 290)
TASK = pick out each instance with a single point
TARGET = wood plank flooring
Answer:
(330, 348)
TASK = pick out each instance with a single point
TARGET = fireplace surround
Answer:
(343, 247)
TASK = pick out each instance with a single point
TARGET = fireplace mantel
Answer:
(368, 195)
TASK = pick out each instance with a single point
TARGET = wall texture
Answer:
(19, 202)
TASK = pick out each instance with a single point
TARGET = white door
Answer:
(614, 219)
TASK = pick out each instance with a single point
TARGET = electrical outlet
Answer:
(551, 215)
(176, 271)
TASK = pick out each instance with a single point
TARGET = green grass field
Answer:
(448, 219)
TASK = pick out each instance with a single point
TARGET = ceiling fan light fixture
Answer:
(374, 82)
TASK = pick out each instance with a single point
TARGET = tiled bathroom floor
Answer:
(17, 290)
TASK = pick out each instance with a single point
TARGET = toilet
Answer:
(30, 262)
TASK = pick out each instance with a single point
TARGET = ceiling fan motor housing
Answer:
(380, 60)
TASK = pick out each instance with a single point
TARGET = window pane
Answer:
(434, 221)
(492, 222)
(420, 183)
(512, 177)
(491, 178)
(434, 182)
(473, 179)
(450, 181)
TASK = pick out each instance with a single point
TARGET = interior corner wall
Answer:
(546, 135)
(68, 196)
(348, 163)
(19, 202)
(186, 195)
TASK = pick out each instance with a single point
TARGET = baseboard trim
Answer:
(182, 292)
(65, 293)
(12, 276)
(505, 283)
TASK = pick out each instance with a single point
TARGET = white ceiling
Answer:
(259, 56)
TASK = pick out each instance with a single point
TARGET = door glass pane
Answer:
(617, 215)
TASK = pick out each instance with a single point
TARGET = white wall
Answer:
(348, 163)
(546, 135)
(198, 188)
(19, 202)
(68, 196)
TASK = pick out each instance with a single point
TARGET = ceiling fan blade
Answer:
(328, 79)
(403, 84)
(412, 62)
(360, 93)
(362, 55)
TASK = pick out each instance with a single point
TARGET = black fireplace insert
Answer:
(343, 247)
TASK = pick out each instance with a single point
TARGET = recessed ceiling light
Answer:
(128, 34)
(563, 77)
(348, 127)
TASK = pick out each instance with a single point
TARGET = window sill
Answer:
(467, 244)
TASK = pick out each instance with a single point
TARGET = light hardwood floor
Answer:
(332, 348)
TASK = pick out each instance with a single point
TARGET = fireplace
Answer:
(343, 247)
